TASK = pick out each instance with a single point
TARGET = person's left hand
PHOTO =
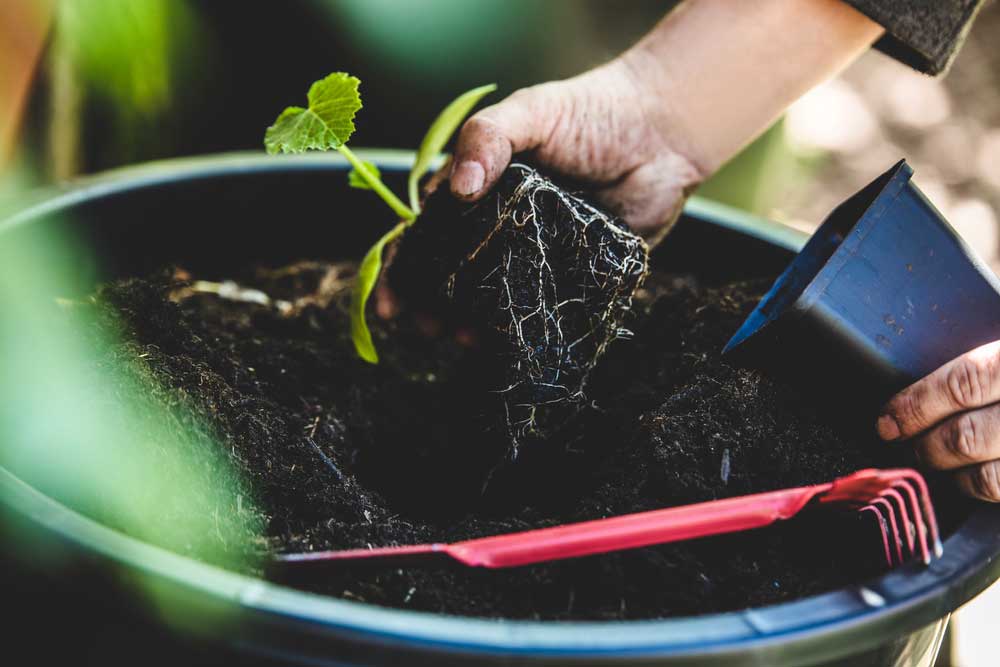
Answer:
(953, 419)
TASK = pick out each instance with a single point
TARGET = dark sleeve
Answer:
(924, 34)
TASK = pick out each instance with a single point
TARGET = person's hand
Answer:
(952, 417)
(646, 128)
(603, 128)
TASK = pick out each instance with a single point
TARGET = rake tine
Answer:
(906, 523)
(883, 529)
(921, 528)
(890, 515)
(928, 515)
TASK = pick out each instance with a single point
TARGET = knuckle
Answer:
(478, 126)
(968, 382)
(525, 95)
(966, 438)
(985, 481)
(534, 103)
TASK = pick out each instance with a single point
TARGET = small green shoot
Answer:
(368, 273)
(327, 124)
(438, 134)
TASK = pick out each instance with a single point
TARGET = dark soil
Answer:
(341, 454)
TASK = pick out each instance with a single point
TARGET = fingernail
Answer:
(887, 427)
(468, 178)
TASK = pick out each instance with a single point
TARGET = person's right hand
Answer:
(601, 128)
(649, 126)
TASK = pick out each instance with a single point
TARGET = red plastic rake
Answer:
(898, 499)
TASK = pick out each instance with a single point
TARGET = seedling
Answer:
(327, 124)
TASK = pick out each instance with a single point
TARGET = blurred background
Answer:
(119, 82)
(125, 82)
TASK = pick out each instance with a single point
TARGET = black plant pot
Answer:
(217, 213)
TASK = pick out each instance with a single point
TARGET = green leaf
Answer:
(327, 124)
(356, 180)
(368, 273)
(438, 134)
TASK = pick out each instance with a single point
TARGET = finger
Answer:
(968, 382)
(981, 481)
(486, 142)
(962, 440)
(651, 197)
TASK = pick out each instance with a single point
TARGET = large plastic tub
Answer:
(218, 212)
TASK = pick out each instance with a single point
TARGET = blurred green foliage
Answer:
(125, 49)
(115, 65)
(85, 420)
(143, 65)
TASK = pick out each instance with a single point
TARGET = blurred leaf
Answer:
(86, 420)
(124, 48)
(119, 62)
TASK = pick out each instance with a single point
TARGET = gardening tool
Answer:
(883, 293)
(898, 499)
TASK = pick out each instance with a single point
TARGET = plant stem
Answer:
(401, 209)
(414, 198)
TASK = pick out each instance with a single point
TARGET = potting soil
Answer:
(339, 453)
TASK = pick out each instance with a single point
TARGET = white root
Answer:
(535, 322)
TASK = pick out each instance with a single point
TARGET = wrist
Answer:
(657, 95)
(714, 74)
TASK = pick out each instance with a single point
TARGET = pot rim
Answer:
(820, 627)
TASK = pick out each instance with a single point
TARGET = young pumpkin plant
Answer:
(327, 124)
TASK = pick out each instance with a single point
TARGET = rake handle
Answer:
(415, 551)
(634, 530)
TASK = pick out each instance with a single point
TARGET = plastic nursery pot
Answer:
(882, 294)
(215, 214)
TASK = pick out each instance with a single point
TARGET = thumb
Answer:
(522, 122)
